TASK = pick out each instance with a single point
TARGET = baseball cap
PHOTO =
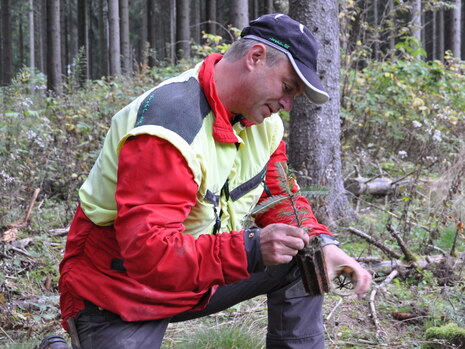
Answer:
(297, 42)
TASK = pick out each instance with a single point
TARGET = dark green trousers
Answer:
(294, 319)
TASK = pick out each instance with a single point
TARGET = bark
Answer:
(195, 21)
(83, 39)
(7, 45)
(269, 6)
(103, 37)
(43, 31)
(392, 40)
(151, 32)
(441, 30)
(125, 45)
(172, 47)
(255, 9)
(456, 29)
(142, 53)
(239, 13)
(31, 35)
(416, 20)
(54, 79)
(63, 38)
(115, 52)
(211, 16)
(314, 140)
(182, 30)
(434, 41)
(375, 25)
(21, 39)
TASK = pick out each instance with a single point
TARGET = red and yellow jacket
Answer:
(159, 225)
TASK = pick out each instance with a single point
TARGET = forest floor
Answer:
(404, 308)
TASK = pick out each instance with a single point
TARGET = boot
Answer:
(53, 342)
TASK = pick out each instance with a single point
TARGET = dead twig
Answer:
(334, 309)
(386, 281)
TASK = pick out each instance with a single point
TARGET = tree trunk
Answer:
(103, 38)
(65, 29)
(441, 29)
(115, 53)
(21, 40)
(456, 29)
(172, 46)
(83, 40)
(375, 26)
(392, 40)
(195, 21)
(416, 21)
(182, 30)
(7, 45)
(151, 32)
(44, 41)
(314, 140)
(54, 47)
(269, 6)
(239, 13)
(434, 36)
(31, 35)
(211, 16)
(125, 45)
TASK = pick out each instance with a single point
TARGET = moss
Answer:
(450, 333)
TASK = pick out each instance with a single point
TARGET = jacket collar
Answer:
(222, 128)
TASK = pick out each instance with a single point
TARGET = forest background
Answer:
(394, 160)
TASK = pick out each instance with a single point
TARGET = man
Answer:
(159, 234)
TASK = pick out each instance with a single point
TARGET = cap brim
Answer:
(314, 89)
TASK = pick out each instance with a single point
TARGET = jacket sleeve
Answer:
(283, 211)
(155, 193)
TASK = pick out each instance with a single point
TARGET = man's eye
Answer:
(286, 88)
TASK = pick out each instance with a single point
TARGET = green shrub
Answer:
(405, 109)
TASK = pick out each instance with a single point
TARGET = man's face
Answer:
(269, 89)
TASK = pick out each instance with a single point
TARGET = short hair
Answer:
(240, 47)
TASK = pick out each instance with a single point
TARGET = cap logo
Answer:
(280, 43)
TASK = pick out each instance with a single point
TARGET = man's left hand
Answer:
(335, 257)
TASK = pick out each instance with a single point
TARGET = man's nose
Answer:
(286, 103)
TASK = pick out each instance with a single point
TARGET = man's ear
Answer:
(256, 56)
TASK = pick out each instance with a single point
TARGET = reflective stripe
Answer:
(251, 184)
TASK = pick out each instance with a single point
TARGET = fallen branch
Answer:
(379, 185)
(409, 256)
(10, 234)
(59, 231)
(374, 186)
(390, 253)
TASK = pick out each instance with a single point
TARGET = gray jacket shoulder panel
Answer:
(179, 107)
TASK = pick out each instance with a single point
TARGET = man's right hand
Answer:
(279, 243)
